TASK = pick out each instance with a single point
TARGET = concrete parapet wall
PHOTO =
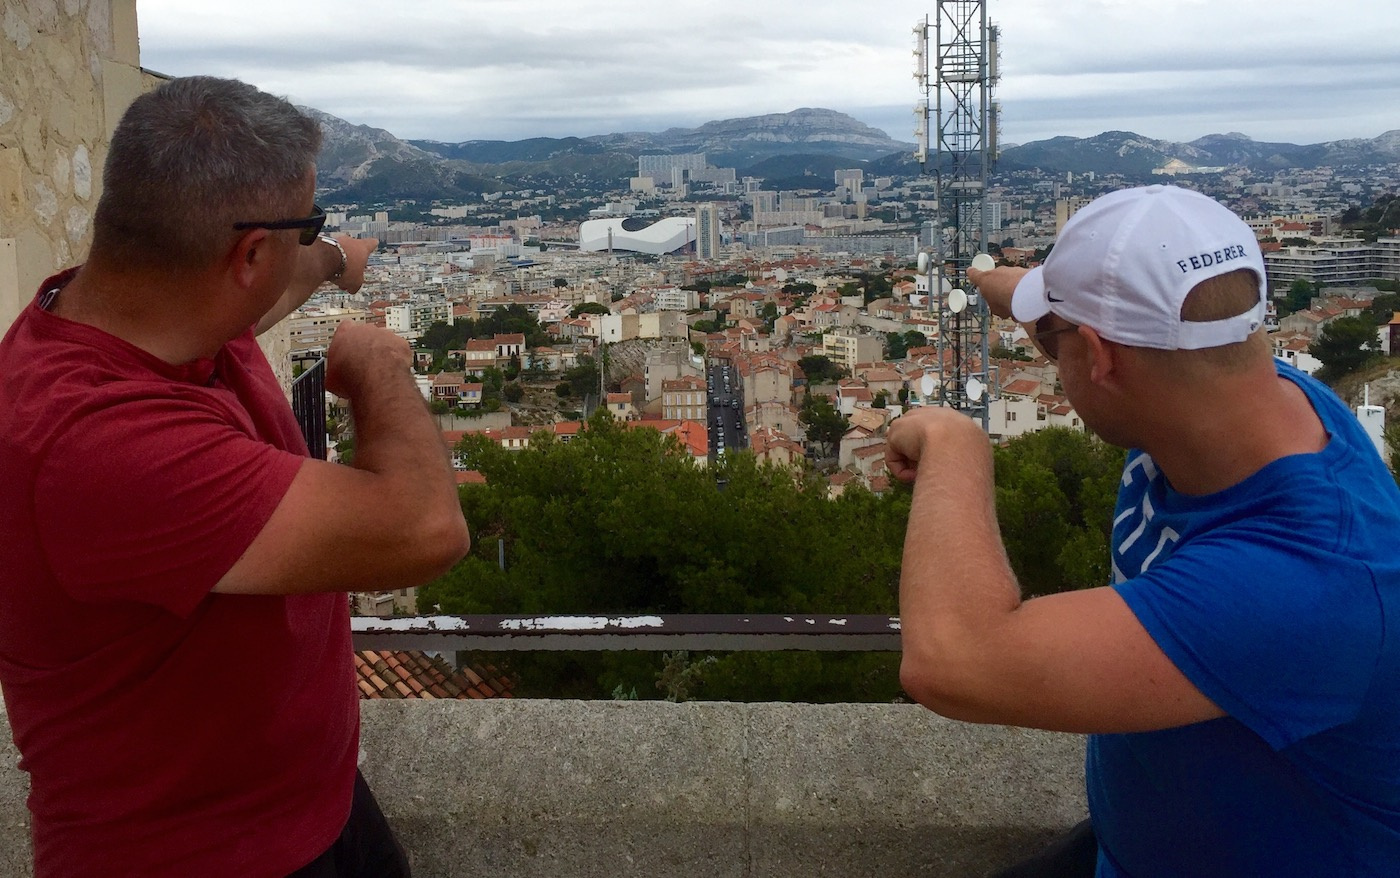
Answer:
(554, 789)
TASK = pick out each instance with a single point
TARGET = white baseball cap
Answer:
(1124, 263)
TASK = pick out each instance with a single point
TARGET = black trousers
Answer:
(366, 847)
(1073, 855)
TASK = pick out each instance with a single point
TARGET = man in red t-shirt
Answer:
(174, 639)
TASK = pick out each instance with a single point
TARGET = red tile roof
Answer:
(876, 450)
(684, 383)
(414, 674)
(1022, 387)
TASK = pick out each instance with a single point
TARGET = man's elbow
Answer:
(921, 680)
(443, 542)
(458, 540)
(932, 678)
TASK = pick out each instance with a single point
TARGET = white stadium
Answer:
(636, 235)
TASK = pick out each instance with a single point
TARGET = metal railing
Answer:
(309, 405)
(654, 633)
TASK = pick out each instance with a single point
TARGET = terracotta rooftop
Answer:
(448, 379)
(415, 674)
(876, 450)
(692, 434)
(1022, 387)
(684, 383)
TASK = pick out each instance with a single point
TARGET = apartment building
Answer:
(662, 168)
(311, 329)
(676, 299)
(707, 238)
(1334, 262)
(846, 349)
(410, 320)
(683, 399)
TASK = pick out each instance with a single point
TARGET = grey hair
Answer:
(191, 158)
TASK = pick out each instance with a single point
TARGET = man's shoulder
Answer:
(65, 399)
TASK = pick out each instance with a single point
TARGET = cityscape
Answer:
(692, 266)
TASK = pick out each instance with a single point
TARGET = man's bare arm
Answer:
(996, 286)
(973, 650)
(316, 265)
(391, 520)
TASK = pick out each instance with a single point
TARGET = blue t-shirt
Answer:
(1275, 597)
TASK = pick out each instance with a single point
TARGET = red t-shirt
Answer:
(167, 730)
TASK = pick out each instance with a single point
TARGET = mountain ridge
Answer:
(359, 162)
(1127, 152)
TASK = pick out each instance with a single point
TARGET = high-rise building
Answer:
(970, 214)
(706, 232)
(763, 201)
(1066, 208)
(849, 182)
(662, 168)
(851, 178)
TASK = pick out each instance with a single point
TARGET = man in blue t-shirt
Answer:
(1236, 677)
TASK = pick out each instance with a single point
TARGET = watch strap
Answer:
(344, 260)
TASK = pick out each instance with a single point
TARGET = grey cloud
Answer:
(457, 70)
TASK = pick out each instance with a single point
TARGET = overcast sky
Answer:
(1297, 71)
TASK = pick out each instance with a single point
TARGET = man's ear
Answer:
(1105, 358)
(250, 258)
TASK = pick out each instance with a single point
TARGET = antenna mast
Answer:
(956, 68)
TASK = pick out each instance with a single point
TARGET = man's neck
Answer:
(148, 312)
(1233, 432)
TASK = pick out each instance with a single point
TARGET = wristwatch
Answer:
(344, 260)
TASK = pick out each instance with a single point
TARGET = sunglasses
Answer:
(1048, 340)
(310, 225)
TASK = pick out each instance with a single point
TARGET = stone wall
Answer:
(575, 789)
(68, 68)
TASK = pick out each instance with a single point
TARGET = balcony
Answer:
(557, 788)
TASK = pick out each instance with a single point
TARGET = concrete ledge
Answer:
(517, 788)
(574, 788)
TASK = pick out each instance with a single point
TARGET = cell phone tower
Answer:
(956, 68)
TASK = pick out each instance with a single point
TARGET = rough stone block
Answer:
(126, 48)
(37, 257)
(13, 203)
(121, 83)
